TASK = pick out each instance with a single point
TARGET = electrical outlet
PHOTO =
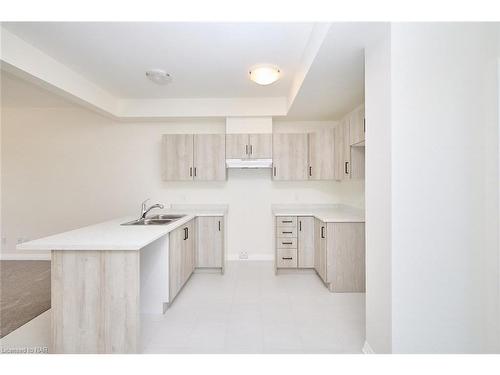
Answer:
(243, 255)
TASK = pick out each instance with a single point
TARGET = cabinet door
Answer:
(290, 157)
(177, 150)
(339, 151)
(321, 155)
(357, 126)
(237, 146)
(209, 157)
(347, 149)
(320, 249)
(209, 241)
(346, 257)
(261, 146)
(190, 245)
(305, 242)
(175, 260)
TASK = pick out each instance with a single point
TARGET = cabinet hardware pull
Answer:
(286, 221)
(310, 171)
(194, 171)
(322, 232)
(246, 149)
(287, 232)
(190, 171)
(300, 226)
(274, 171)
(185, 234)
(251, 149)
(345, 168)
(286, 258)
(219, 225)
(286, 243)
(364, 125)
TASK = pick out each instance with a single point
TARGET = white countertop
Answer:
(326, 213)
(110, 235)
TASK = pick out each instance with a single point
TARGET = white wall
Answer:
(378, 194)
(67, 167)
(444, 187)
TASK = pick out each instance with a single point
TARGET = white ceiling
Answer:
(206, 60)
(334, 84)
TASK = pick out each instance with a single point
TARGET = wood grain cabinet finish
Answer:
(209, 157)
(290, 157)
(320, 254)
(305, 240)
(181, 257)
(357, 126)
(209, 242)
(321, 155)
(177, 157)
(346, 257)
(261, 146)
(249, 146)
(237, 146)
(339, 165)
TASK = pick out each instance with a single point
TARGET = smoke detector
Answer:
(158, 76)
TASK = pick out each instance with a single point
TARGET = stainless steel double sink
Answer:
(156, 220)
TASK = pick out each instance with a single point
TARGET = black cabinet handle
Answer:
(286, 243)
(287, 221)
(194, 171)
(287, 232)
(364, 125)
(310, 171)
(345, 168)
(322, 232)
(185, 234)
(190, 171)
(274, 171)
(219, 225)
(300, 226)
(246, 149)
(286, 258)
(251, 149)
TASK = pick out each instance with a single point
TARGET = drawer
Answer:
(286, 221)
(286, 232)
(286, 258)
(286, 243)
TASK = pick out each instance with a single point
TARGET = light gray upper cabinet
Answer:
(290, 157)
(340, 166)
(321, 155)
(261, 146)
(209, 157)
(249, 146)
(200, 157)
(305, 239)
(177, 150)
(236, 146)
(357, 126)
(209, 241)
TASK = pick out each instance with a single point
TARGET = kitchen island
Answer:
(104, 276)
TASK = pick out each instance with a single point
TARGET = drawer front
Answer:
(286, 221)
(286, 232)
(287, 258)
(286, 243)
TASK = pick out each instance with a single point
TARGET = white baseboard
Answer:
(24, 256)
(232, 257)
(367, 349)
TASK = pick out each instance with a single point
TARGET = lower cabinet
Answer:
(209, 242)
(181, 257)
(294, 242)
(320, 249)
(305, 242)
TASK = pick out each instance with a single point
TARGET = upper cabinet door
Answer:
(177, 150)
(237, 146)
(209, 157)
(321, 155)
(339, 151)
(347, 148)
(357, 126)
(261, 146)
(290, 157)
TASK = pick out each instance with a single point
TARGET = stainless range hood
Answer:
(249, 163)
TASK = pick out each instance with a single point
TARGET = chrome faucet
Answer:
(145, 210)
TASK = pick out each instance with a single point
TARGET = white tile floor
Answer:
(250, 310)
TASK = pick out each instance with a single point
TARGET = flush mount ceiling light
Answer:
(158, 76)
(264, 74)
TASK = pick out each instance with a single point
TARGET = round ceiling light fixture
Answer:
(264, 74)
(158, 76)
